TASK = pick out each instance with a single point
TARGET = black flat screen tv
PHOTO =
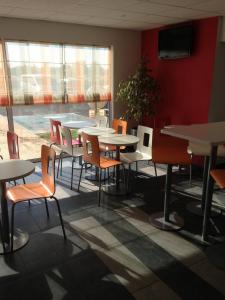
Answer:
(175, 42)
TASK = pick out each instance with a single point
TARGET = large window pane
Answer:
(41, 73)
(36, 72)
(89, 69)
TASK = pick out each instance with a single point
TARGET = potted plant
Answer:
(140, 92)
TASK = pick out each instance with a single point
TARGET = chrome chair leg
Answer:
(59, 161)
(60, 217)
(81, 170)
(12, 227)
(46, 206)
(155, 169)
(100, 182)
(71, 184)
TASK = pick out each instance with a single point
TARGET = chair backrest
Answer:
(13, 145)
(102, 121)
(54, 131)
(91, 152)
(48, 156)
(145, 135)
(169, 150)
(66, 139)
(120, 126)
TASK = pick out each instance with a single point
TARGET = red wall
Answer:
(185, 83)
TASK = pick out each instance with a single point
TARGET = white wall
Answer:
(126, 43)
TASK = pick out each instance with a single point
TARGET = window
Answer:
(50, 73)
(36, 72)
(87, 73)
(47, 73)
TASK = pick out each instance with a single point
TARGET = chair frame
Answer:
(67, 148)
(47, 154)
(54, 132)
(141, 148)
(93, 157)
(13, 145)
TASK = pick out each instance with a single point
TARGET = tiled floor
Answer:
(112, 251)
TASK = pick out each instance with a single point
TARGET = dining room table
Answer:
(212, 134)
(12, 170)
(78, 124)
(99, 131)
(117, 140)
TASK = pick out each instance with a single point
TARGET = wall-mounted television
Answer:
(175, 42)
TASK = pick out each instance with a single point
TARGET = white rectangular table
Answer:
(212, 134)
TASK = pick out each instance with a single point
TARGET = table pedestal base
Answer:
(20, 240)
(93, 176)
(175, 221)
(196, 209)
(116, 190)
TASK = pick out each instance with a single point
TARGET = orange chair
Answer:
(170, 151)
(13, 145)
(39, 190)
(219, 176)
(91, 155)
(120, 126)
(55, 134)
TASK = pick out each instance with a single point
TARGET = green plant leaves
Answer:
(139, 92)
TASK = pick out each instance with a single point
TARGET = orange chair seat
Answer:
(106, 162)
(219, 176)
(28, 191)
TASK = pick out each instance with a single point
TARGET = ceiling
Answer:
(126, 14)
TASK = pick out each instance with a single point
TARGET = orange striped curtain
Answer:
(88, 74)
(49, 73)
(36, 71)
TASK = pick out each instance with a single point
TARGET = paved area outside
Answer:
(29, 129)
(29, 142)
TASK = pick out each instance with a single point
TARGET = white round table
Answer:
(117, 140)
(11, 170)
(99, 131)
(79, 124)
